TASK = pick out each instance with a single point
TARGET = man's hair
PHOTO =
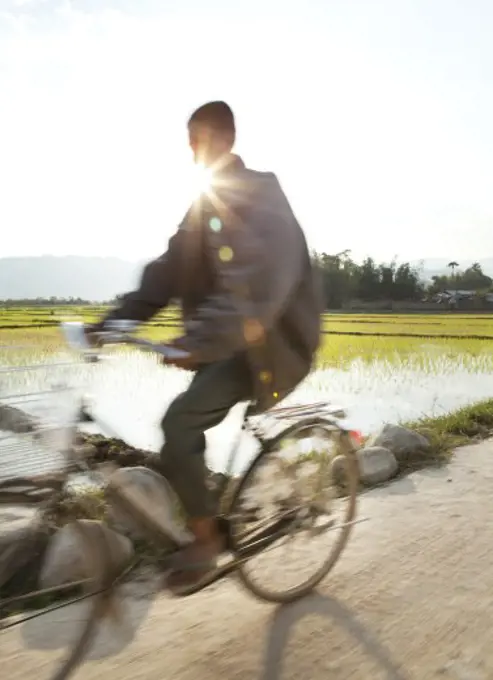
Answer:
(218, 116)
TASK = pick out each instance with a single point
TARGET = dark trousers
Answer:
(214, 390)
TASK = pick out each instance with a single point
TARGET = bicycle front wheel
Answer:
(294, 475)
(52, 642)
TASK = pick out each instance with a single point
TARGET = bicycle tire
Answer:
(150, 526)
(352, 483)
(100, 600)
(81, 647)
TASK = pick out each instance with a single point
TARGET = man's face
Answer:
(200, 142)
(206, 144)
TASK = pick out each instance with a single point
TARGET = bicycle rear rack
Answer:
(265, 426)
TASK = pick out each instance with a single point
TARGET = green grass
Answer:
(461, 427)
(335, 351)
(350, 336)
(413, 324)
(87, 503)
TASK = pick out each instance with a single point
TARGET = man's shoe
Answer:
(195, 563)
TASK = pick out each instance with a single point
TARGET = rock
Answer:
(111, 450)
(14, 420)
(84, 451)
(16, 523)
(27, 490)
(376, 465)
(402, 442)
(338, 470)
(68, 558)
(101, 449)
(154, 495)
(22, 544)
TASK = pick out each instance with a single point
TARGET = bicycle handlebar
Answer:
(119, 332)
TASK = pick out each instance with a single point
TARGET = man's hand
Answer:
(92, 336)
(188, 363)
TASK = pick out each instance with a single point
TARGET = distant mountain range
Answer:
(102, 278)
(89, 278)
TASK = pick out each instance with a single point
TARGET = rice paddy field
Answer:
(380, 367)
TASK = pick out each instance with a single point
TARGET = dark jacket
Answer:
(240, 266)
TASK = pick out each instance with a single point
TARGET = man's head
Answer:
(212, 132)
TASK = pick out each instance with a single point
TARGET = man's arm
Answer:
(258, 263)
(157, 287)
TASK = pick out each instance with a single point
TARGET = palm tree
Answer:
(453, 266)
(343, 257)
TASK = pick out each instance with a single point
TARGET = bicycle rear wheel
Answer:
(294, 474)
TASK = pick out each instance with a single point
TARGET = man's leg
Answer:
(215, 389)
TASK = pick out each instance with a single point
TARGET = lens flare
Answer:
(201, 180)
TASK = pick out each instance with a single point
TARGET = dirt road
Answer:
(411, 598)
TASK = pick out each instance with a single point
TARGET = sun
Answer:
(201, 179)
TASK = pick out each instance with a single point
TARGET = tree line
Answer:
(52, 301)
(472, 278)
(344, 280)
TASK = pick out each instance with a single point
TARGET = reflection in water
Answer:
(132, 391)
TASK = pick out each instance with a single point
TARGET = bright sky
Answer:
(377, 116)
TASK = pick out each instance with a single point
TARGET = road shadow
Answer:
(59, 629)
(287, 616)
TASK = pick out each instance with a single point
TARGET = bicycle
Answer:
(307, 507)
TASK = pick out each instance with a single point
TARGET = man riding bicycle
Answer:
(240, 267)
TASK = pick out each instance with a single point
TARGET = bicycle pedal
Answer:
(225, 566)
